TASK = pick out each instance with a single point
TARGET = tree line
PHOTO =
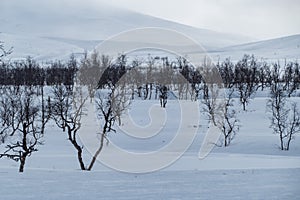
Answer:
(29, 72)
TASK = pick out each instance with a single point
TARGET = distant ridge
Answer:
(287, 47)
(54, 30)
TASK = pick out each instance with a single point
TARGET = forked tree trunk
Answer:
(78, 148)
(79, 156)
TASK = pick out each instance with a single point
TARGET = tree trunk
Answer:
(244, 106)
(78, 148)
(97, 153)
(132, 91)
(146, 92)
(226, 144)
(150, 94)
(22, 163)
(43, 111)
(119, 121)
(212, 114)
(289, 141)
(281, 142)
(79, 156)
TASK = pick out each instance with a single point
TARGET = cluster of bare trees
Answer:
(68, 108)
(23, 120)
(25, 107)
(241, 80)
(29, 72)
(246, 76)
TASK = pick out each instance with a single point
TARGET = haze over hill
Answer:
(48, 30)
(44, 31)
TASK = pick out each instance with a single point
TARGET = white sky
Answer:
(261, 19)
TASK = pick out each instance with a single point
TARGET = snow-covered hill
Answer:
(274, 49)
(54, 29)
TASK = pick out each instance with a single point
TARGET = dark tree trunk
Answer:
(78, 148)
(43, 111)
(22, 163)
(79, 156)
(281, 142)
(146, 92)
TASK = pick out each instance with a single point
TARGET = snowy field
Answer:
(252, 167)
(192, 184)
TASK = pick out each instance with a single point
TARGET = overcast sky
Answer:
(261, 19)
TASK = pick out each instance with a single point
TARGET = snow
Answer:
(76, 27)
(35, 47)
(269, 50)
(47, 34)
(56, 33)
(224, 184)
(252, 167)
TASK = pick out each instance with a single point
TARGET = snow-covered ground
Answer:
(252, 167)
(218, 184)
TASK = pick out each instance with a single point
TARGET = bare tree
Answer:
(197, 84)
(291, 77)
(136, 76)
(91, 69)
(245, 72)
(149, 77)
(110, 104)
(264, 76)
(285, 119)
(21, 118)
(163, 97)
(211, 94)
(230, 125)
(67, 108)
(226, 70)
(3, 51)
(183, 83)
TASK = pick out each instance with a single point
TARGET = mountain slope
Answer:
(274, 49)
(73, 26)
